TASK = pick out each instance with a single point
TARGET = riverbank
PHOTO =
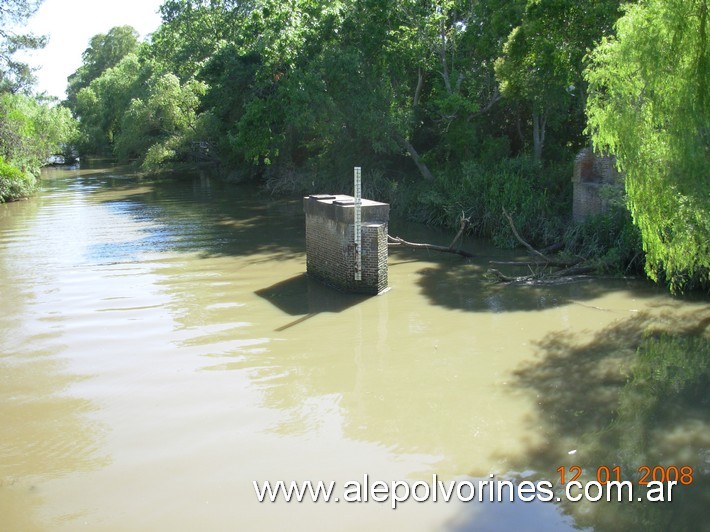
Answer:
(537, 197)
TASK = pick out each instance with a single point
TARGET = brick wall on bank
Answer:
(330, 243)
(592, 173)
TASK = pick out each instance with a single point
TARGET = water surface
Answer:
(161, 348)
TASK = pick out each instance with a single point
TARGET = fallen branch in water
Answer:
(465, 222)
(535, 264)
(520, 239)
(542, 269)
(496, 275)
(536, 278)
(396, 241)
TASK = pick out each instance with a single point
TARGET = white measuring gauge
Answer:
(358, 223)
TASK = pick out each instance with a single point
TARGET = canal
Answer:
(161, 349)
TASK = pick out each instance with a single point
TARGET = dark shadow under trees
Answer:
(637, 394)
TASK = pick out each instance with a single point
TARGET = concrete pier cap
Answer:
(331, 249)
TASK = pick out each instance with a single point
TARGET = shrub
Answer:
(609, 239)
(534, 196)
(14, 183)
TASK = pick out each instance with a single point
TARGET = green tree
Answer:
(543, 59)
(268, 88)
(102, 105)
(193, 30)
(105, 51)
(160, 127)
(649, 106)
(30, 131)
(15, 75)
(464, 106)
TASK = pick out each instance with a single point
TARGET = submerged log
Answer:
(553, 278)
(535, 264)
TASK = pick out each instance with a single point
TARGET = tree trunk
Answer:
(423, 169)
(444, 63)
(539, 122)
(418, 90)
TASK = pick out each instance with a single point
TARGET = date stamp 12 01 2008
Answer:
(682, 475)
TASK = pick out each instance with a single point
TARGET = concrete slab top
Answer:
(341, 208)
(343, 200)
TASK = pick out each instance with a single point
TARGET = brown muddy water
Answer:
(161, 349)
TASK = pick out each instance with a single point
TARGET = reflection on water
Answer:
(633, 397)
(45, 431)
(162, 349)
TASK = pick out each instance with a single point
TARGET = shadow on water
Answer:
(455, 283)
(305, 297)
(461, 285)
(637, 395)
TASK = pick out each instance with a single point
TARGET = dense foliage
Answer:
(650, 106)
(15, 75)
(31, 127)
(296, 93)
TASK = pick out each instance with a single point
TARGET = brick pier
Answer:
(330, 242)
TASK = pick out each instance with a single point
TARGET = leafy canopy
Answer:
(649, 106)
(16, 76)
(105, 51)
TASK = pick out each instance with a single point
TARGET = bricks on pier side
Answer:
(330, 242)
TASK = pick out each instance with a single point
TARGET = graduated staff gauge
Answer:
(357, 226)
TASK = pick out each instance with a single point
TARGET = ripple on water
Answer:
(161, 349)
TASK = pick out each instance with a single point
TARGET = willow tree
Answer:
(649, 105)
(160, 127)
(102, 105)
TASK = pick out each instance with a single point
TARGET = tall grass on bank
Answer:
(538, 199)
(609, 241)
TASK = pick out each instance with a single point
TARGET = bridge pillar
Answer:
(330, 243)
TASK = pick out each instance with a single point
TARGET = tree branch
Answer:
(396, 241)
(465, 222)
(423, 169)
(520, 239)
(420, 86)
